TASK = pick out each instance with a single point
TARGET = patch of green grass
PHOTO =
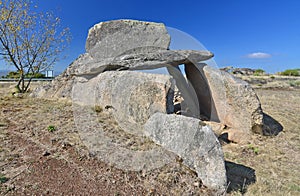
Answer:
(254, 149)
(51, 128)
(3, 179)
(294, 83)
(294, 187)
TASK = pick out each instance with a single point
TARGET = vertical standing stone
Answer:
(198, 82)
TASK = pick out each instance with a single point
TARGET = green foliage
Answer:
(30, 40)
(35, 75)
(291, 72)
(16, 75)
(3, 179)
(259, 72)
(51, 128)
(254, 149)
(295, 83)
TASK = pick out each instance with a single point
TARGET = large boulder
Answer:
(243, 108)
(133, 96)
(194, 142)
(231, 101)
(113, 38)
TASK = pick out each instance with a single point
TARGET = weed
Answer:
(254, 149)
(294, 83)
(51, 128)
(294, 187)
(3, 179)
(98, 109)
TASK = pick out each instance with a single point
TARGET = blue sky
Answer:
(242, 33)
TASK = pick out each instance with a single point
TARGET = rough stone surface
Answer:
(236, 103)
(194, 142)
(143, 61)
(134, 96)
(189, 106)
(61, 86)
(197, 80)
(113, 38)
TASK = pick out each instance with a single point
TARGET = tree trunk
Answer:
(27, 86)
(21, 84)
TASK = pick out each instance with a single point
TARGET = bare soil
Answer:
(38, 160)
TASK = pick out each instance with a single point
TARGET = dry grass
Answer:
(275, 159)
(69, 169)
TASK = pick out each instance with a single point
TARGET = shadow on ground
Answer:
(239, 177)
(271, 126)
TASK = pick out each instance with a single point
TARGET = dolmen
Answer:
(110, 75)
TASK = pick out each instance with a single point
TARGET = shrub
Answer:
(3, 179)
(16, 75)
(295, 83)
(291, 72)
(259, 72)
(12, 74)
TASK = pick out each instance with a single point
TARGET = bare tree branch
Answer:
(30, 41)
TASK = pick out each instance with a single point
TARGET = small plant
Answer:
(254, 149)
(98, 109)
(3, 179)
(272, 77)
(51, 128)
(295, 83)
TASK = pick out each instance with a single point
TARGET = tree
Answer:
(291, 72)
(30, 41)
(259, 72)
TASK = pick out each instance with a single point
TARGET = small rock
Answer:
(46, 153)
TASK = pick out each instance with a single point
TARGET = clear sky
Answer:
(257, 34)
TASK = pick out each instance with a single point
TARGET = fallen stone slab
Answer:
(194, 142)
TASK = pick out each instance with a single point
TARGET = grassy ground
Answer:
(41, 153)
(275, 159)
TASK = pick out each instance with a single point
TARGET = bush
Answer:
(295, 83)
(12, 74)
(37, 75)
(291, 72)
(16, 75)
(259, 72)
